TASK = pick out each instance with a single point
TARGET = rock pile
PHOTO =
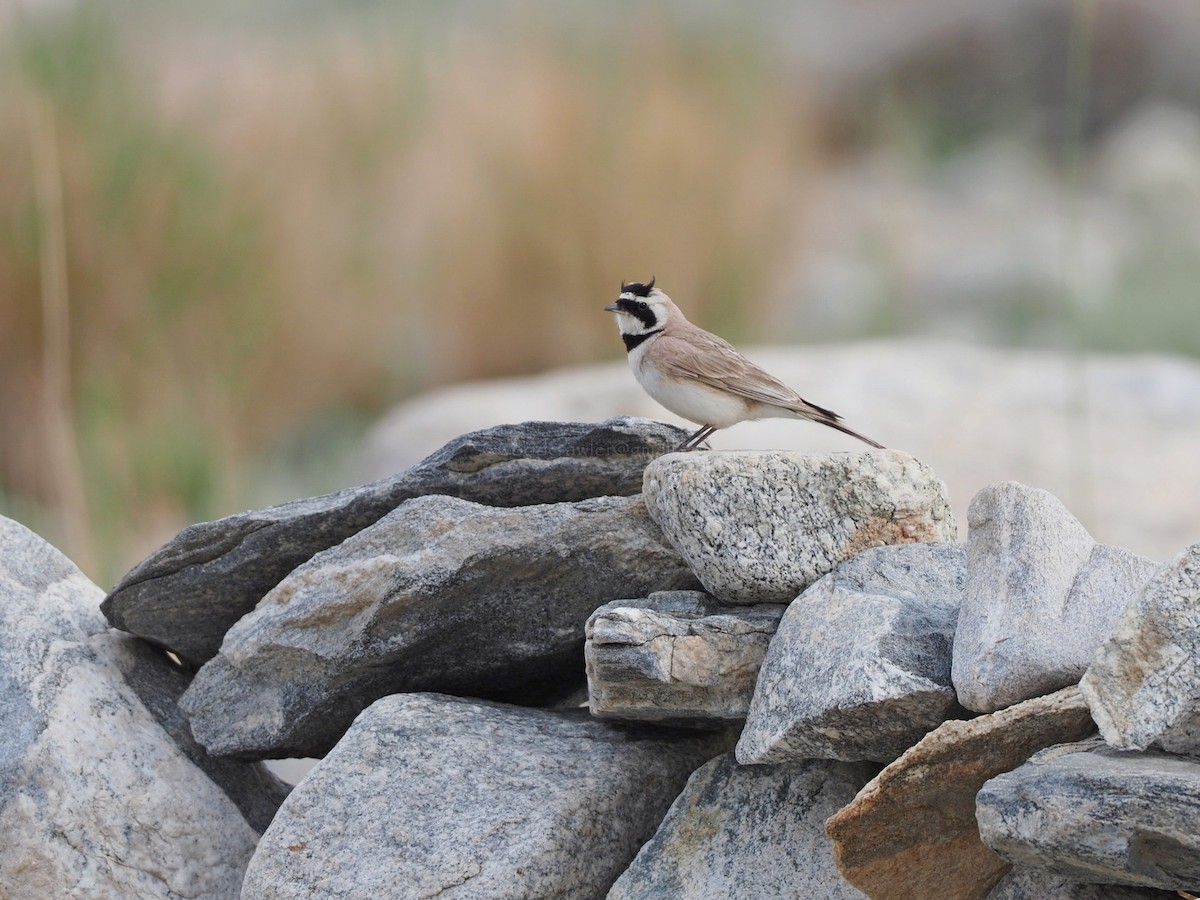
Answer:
(797, 682)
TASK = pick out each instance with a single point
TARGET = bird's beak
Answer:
(612, 307)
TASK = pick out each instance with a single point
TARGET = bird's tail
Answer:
(833, 420)
(850, 431)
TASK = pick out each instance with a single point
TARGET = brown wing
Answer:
(694, 353)
(710, 360)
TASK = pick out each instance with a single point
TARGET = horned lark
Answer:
(698, 375)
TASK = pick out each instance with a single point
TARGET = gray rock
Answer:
(760, 527)
(1041, 597)
(1087, 811)
(440, 594)
(676, 656)
(911, 831)
(1143, 685)
(187, 594)
(737, 832)
(1032, 884)
(860, 667)
(96, 798)
(433, 796)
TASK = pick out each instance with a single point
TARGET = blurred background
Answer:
(232, 235)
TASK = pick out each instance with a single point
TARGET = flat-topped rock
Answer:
(761, 526)
(1089, 812)
(188, 593)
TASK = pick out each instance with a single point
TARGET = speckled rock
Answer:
(97, 798)
(860, 667)
(1086, 811)
(440, 594)
(677, 657)
(911, 831)
(738, 832)
(1143, 685)
(760, 527)
(433, 796)
(190, 591)
(1041, 597)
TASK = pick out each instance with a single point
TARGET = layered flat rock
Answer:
(761, 526)
(1041, 597)
(747, 831)
(101, 793)
(439, 595)
(187, 594)
(1034, 884)
(1143, 685)
(434, 796)
(860, 667)
(1087, 811)
(677, 657)
(911, 831)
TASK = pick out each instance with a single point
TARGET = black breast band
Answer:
(636, 340)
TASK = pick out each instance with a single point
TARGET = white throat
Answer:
(632, 325)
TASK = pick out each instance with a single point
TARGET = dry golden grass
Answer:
(258, 230)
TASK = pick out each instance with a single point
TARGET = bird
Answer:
(700, 376)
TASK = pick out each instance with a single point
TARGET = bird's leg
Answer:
(698, 438)
(698, 443)
(691, 442)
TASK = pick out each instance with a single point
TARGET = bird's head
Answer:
(641, 308)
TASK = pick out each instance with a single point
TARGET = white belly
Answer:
(691, 400)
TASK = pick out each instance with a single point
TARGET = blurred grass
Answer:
(279, 220)
(262, 233)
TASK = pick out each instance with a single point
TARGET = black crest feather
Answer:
(637, 288)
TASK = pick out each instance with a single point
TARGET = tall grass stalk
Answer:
(69, 500)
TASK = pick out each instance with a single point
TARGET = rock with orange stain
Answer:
(911, 832)
(676, 657)
(761, 526)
